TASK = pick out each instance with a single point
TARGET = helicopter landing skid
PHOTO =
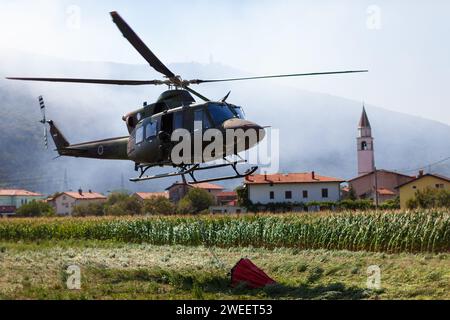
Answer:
(190, 171)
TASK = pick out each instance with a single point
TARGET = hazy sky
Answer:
(403, 43)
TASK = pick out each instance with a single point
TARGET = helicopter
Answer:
(149, 144)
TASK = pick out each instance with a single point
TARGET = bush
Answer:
(92, 209)
(430, 198)
(393, 204)
(36, 209)
(159, 206)
(356, 205)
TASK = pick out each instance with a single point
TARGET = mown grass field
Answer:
(320, 256)
(140, 271)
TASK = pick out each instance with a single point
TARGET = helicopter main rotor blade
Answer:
(276, 76)
(95, 81)
(140, 46)
(196, 94)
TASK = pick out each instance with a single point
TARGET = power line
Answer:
(425, 166)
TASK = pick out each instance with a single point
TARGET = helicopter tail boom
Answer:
(108, 149)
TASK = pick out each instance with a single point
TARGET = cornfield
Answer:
(425, 231)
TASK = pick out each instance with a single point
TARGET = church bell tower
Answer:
(366, 156)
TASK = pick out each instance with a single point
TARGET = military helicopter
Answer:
(149, 144)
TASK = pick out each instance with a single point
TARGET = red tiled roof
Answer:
(19, 193)
(227, 194)
(85, 195)
(386, 192)
(151, 195)
(289, 178)
(437, 176)
(364, 122)
(381, 171)
(207, 186)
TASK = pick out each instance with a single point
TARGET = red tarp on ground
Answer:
(246, 272)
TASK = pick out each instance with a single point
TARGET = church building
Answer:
(371, 183)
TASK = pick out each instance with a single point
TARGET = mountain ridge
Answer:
(317, 131)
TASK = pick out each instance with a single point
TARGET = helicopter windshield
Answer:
(239, 111)
(221, 113)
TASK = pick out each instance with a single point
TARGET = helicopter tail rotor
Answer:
(44, 120)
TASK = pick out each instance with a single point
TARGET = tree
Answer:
(243, 197)
(196, 201)
(116, 197)
(36, 209)
(352, 194)
(120, 204)
(185, 206)
(159, 206)
(92, 209)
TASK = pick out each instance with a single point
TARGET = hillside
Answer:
(317, 131)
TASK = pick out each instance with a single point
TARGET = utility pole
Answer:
(376, 189)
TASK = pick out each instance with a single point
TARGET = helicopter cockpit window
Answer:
(151, 130)
(221, 113)
(178, 120)
(240, 112)
(139, 135)
(200, 115)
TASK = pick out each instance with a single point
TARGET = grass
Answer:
(393, 232)
(112, 270)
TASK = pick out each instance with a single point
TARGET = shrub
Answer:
(36, 209)
(393, 204)
(92, 209)
(430, 198)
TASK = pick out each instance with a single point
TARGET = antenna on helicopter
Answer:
(44, 120)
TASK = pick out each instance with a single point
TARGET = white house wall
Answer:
(261, 193)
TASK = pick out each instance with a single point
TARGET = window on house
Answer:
(288, 195)
(305, 194)
(272, 195)
(440, 186)
(324, 193)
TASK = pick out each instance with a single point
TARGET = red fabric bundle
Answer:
(246, 272)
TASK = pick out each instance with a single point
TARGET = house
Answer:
(293, 188)
(227, 203)
(11, 200)
(377, 185)
(423, 181)
(142, 196)
(225, 198)
(66, 201)
(384, 181)
(178, 190)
